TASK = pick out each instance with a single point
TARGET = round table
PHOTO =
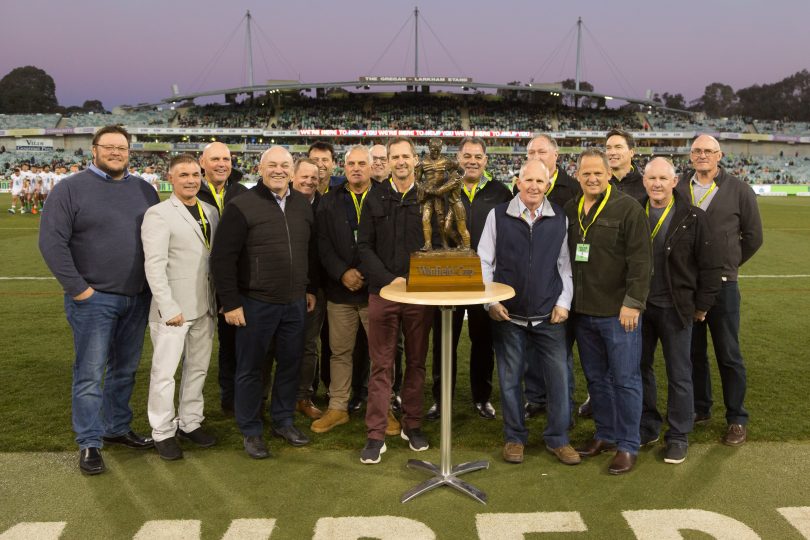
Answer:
(445, 473)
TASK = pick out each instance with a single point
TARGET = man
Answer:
(523, 245)
(17, 180)
(219, 185)
(733, 217)
(305, 182)
(261, 260)
(346, 288)
(90, 239)
(480, 194)
(176, 237)
(685, 281)
(610, 242)
(620, 149)
(562, 188)
(379, 164)
(390, 230)
(323, 153)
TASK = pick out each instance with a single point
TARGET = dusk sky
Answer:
(126, 53)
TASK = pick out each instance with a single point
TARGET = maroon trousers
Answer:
(384, 318)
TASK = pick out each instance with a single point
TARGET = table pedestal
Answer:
(445, 474)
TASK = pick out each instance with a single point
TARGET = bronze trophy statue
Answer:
(438, 184)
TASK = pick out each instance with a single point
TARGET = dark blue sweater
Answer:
(90, 233)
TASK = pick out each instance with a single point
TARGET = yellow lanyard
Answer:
(478, 187)
(358, 206)
(661, 219)
(204, 225)
(219, 199)
(692, 191)
(391, 180)
(598, 211)
(553, 182)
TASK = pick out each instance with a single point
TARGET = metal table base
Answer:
(445, 474)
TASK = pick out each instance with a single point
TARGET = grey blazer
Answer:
(176, 261)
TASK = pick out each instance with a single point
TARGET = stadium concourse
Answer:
(759, 152)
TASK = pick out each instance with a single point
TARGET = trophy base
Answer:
(445, 270)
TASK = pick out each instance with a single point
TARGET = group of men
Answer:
(31, 184)
(303, 256)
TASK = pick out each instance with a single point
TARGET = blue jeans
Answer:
(265, 321)
(535, 385)
(515, 348)
(723, 321)
(108, 331)
(611, 361)
(665, 325)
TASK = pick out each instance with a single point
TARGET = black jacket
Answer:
(337, 246)
(232, 189)
(632, 184)
(565, 189)
(693, 265)
(733, 217)
(620, 261)
(264, 253)
(390, 230)
(492, 194)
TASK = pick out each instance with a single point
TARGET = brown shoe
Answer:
(513, 452)
(595, 447)
(331, 419)
(622, 463)
(393, 428)
(566, 454)
(736, 435)
(308, 409)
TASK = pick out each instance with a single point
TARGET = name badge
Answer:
(581, 254)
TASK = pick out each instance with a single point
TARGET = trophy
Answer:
(438, 183)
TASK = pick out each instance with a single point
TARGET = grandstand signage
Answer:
(646, 524)
(417, 80)
(35, 145)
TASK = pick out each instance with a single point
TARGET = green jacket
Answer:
(620, 258)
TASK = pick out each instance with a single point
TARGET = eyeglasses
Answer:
(703, 152)
(111, 147)
(379, 158)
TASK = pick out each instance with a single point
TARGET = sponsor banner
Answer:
(670, 149)
(27, 132)
(35, 145)
(153, 147)
(761, 189)
(236, 147)
(59, 131)
(500, 150)
(189, 146)
(755, 137)
(417, 80)
(258, 147)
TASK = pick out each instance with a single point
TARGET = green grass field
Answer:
(39, 480)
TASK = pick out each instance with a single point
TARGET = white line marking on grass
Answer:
(25, 278)
(776, 276)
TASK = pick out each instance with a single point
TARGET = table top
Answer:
(493, 292)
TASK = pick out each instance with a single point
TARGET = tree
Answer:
(28, 90)
(673, 101)
(718, 100)
(93, 105)
(572, 100)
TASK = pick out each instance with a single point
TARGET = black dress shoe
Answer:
(256, 447)
(198, 436)
(485, 410)
(534, 409)
(291, 435)
(90, 461)
(131, 440)
(227, 409)
(594, 447)
(434, 412)
(168, 449)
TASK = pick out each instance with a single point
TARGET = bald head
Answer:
(659, 181)
(705, 156)
(276, 168)
(216, 163)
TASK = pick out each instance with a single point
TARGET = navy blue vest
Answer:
(526, 259)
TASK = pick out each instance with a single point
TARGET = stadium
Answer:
(757, 490)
